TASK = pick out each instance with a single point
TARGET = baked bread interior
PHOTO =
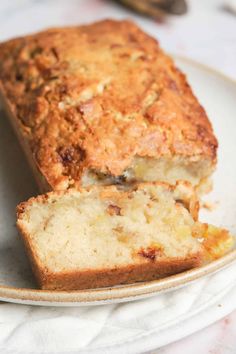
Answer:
(104, 236)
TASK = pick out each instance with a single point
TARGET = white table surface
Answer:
(206, 34)
(219, 338)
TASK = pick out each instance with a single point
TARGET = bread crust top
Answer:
(95, 96)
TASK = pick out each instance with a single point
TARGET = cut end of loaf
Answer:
(168, 170)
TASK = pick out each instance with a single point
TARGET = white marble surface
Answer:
(206, 34)
(216, 339)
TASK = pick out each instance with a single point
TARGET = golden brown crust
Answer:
(144, 270)
(122, 275)
(94, 97)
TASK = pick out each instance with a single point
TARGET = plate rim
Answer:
(125, 292)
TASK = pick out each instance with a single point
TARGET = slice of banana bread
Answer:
(102, 104)
(104, 236)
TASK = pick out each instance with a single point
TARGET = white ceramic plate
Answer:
(218, 95)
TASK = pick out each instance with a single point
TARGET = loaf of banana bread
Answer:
(103, 104)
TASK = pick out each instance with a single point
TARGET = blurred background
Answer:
(204, 30)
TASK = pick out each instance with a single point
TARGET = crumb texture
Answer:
(97, 99)
(101, 230)
(108, 235)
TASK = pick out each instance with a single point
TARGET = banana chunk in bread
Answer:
(103, 236)
(103, 104)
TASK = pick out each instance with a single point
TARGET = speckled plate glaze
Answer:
(217, 93)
